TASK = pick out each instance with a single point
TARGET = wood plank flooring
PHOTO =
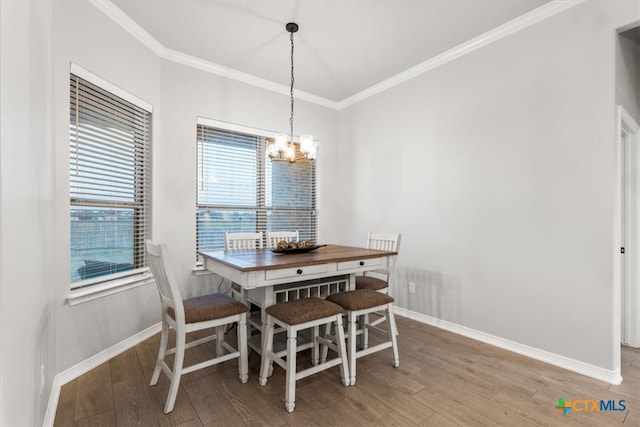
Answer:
(443, 380)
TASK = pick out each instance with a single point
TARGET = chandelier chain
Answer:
(292, 80)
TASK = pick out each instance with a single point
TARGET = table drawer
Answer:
(282, 273)
(351, 265)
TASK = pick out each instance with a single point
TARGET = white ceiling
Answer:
(342, 48)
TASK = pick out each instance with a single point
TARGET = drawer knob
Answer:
(361, 262)
(299, 271)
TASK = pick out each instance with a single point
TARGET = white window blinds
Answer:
(110, 179)
(239, 189)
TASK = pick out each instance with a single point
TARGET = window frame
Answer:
(96, 287)
(261, 208)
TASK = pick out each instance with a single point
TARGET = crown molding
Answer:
(539, 14)
(221, 70)
(131, 26)
(140, 34)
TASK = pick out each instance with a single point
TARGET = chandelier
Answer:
(282, 149)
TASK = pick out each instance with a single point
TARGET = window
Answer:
(110, 178)
(240, 189)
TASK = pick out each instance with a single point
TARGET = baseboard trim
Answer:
(608, 376)
(86, 365)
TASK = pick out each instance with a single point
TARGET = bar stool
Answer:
(362, 302)
(242, 242)
(295, 316)
(194, 314)
(378, 280)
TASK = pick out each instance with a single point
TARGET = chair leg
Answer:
(352, 347)
(325, 349)
(315, 350)
(243, 348)
(267, 348)
(249, 332)
(395, 328)
(290, 381)
(164, 340)
(243, 299)
(360, 325)
(365, 331)
(392, 328)
(219, 339)
(342, 351)
(177, 372)
(381, 319)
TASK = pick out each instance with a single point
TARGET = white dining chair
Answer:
(378, 280)
(242, 241)
(273, 237)
(194, 314)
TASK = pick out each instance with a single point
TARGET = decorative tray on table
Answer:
(295, 248)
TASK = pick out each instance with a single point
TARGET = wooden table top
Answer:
(265, 259)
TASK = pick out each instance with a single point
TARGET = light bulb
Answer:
(306, 144)
(271, 150)
(281, 142)
(291, 152)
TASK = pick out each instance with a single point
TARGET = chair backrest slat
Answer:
(273, 237)
(384, 241)
(242, 241)
(163, 277)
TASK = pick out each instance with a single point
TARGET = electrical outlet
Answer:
(412, 287)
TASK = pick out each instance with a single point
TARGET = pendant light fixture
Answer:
(282, 148)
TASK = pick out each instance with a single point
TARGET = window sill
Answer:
(199, 270)
(110, 287)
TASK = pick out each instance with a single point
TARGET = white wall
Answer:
(186, 94)
(26, 199)
(498, 168)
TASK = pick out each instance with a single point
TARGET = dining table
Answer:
(269, 276)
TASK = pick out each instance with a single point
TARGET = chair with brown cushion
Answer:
(295, 316)
(378, 280)
(194, 314)
(273, 237)
(239, 242)
(243, 241)
(362, 302)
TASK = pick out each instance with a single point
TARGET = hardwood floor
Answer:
(443, 380)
